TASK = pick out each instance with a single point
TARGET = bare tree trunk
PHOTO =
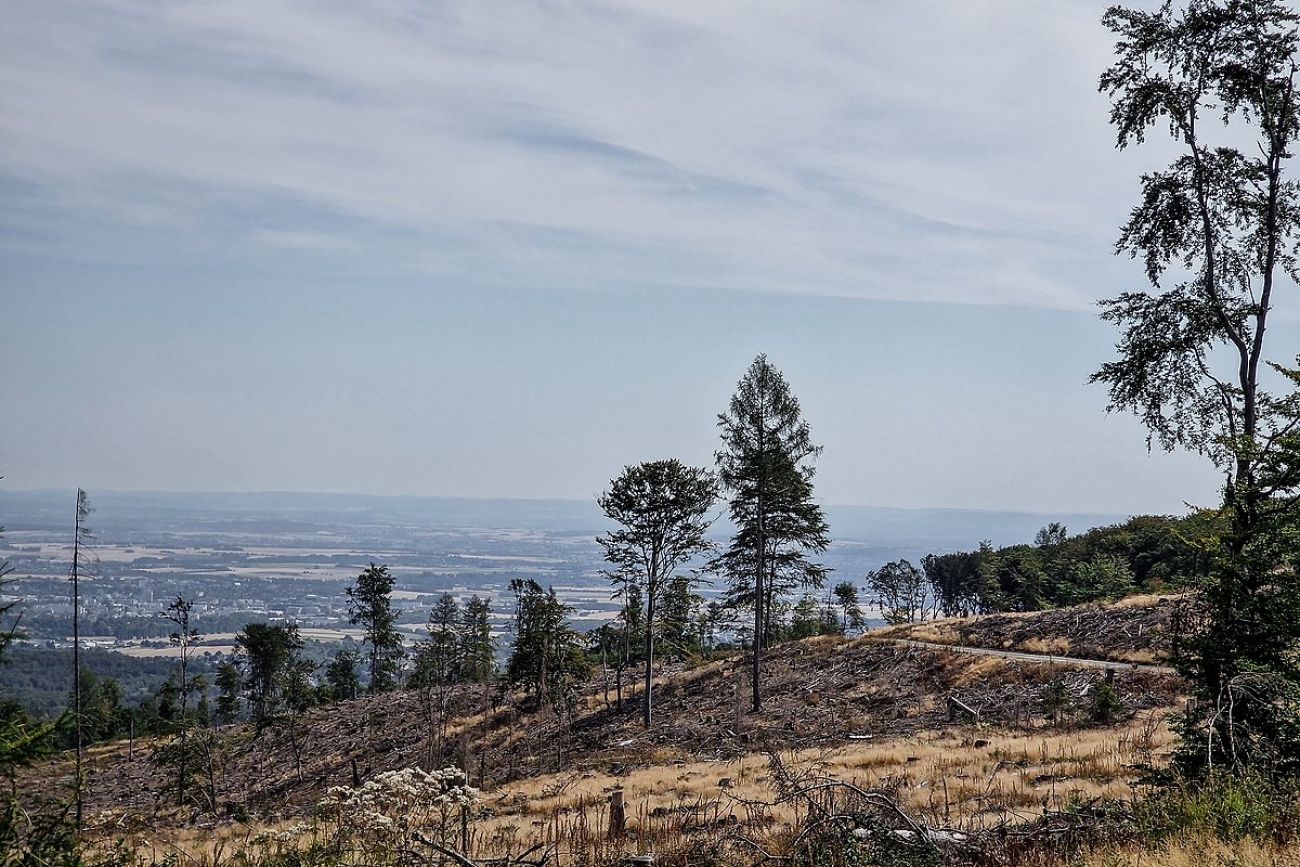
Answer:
(76, 650)
(760, 624)
(648, 709)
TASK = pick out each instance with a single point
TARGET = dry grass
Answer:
(960, 777)
(1147, 600)
(1047, 646)
(968, 778)
(1134, 629)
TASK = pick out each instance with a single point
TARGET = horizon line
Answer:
(517, 499)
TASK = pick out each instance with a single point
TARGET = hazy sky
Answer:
(505, 248)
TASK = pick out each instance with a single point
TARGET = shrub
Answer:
(1106, 704)
(1223, 806)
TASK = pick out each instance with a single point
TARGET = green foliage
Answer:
(230, 688)
(1105, 706)
(546, 658)
(900, 590)
(37, 677)
(1223, 806)
(680, 624)
(1218, 230)
(1105, 577)
(104, 715)
(43, 838)
(766, 465)
(459, 647)
(1056, 701)
(846, 597)
(954, 581)
(805, 621)
(438, 657)
(478, 652)
(1145, 553)
(661, 509)
(370, 604)
(342, 676)
(268, 655)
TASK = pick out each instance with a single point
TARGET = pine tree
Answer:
(230, 687)
(547, 658)
(80, 537)
(478, 651)
(184, 637)
(438, 657)
(370, 604)
(341, 677)
(679, 618)
(806, 621)
(766, 465)
(299, 696)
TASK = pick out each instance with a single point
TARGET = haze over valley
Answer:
(288, 557)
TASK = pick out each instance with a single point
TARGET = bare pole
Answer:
(76, 642)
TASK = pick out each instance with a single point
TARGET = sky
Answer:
(504, 249)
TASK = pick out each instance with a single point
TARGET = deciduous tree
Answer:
(846, 597)
(899, 588)
(662, 512)
(1217, 230)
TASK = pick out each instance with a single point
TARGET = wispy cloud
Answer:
(941, 151)
(290, 240)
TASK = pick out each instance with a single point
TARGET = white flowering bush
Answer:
(390, 809)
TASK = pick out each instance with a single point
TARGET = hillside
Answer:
(870, 709)
(1136, 630)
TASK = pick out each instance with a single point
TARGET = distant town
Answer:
(288, 558)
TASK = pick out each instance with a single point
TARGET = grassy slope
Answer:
(862, 704)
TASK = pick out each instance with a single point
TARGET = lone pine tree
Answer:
(765, 464)
(370, 605)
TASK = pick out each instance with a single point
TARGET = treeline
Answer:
(1144, 554)
(37, 679)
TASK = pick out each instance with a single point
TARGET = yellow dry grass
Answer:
(935, 632)
(969, 778)
(1048, 646)
(1146, 600)
(979, 669)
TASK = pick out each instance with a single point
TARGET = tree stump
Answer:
(617, 815)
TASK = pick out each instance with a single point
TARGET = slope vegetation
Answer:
(823, 695)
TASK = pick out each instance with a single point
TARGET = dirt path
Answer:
(1024, 656)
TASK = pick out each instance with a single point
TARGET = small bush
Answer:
(1106, 705)
(1225, 807)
